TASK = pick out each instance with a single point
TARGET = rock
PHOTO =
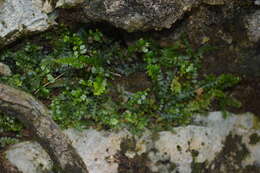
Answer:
(98, 149)
(214, 2)
(140, 14)
(211, 143)
(68, 3)
(4, 70)
(252, 23)
(18, 18)
(257, 2)
(29, 157)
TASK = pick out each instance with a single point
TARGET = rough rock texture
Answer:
(212, 144)
(20, 17)
(34, 160)
(5, 70)
(68, 3)
(232, 29)
(257, 2)
(36, 117)
(139, 14)
(253, 26)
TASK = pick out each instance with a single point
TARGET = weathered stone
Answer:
(257, 2)
(253, 26)
(183, 149)
(214, 2)
(68, 3)
(29, 157)
(5, 70)
(139, 15)
(18, 18)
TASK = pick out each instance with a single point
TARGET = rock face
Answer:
(20, 17)
(212, 144)
(140, 14)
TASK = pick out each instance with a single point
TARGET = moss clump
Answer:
(128, 144)
(256, 122)
(254, 139)
(138, 164)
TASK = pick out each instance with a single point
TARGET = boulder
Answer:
(18, 18)
(139, 14)
(212, 143)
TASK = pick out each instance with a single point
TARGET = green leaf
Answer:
(99, 86)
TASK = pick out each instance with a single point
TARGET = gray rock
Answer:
(18, 18)
(257, 2)
(5, 70)
(29, 157)
(68, 3)
(214, 2)
(139, 14)
(253, 26)
(205, 142)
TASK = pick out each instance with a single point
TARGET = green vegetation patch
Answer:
(90, 80)
(254, 139)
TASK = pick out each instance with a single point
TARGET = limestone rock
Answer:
(68, 3)
(214, 2)
(140, 14)
(5, 70)
(29, 157)
(18, 18)
(211, 143)
(257, 2)
(253, 26)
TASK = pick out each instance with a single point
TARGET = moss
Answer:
(128, 144)
(197, 167)
(173, 166)
(138, 164)
(254, 139)
(155, 136)
(194, 153)
(230, 158)
(256, 123)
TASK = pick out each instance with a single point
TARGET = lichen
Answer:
(256, 123)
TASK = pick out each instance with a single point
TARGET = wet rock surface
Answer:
(211, 144)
